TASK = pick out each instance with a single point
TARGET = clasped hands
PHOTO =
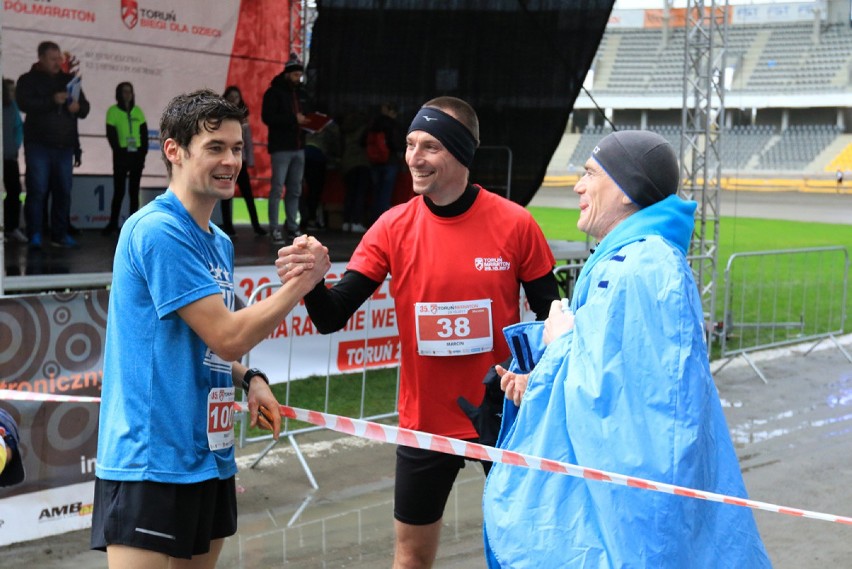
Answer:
(302, 256)
(558, 322)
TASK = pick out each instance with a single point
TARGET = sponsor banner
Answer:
(739, 14)
(296, 350)
(772, 13)
(677, 17)
(56, 346)
(163, 48)
(46, 512)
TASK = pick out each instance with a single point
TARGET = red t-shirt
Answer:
(482, 254)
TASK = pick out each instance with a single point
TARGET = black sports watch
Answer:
(250, 373)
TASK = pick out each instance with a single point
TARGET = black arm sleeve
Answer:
(541, 293)
(330, 308)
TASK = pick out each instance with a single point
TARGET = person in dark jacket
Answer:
(284, 107)
(127, 133)
(50, 137)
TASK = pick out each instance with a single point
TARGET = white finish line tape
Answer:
(428, 441)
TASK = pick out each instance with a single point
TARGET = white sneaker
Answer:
(357, 228)
(18, 236)
(346, 225)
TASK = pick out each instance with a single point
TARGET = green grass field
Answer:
(736, 235)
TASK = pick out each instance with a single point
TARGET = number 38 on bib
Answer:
(454, 328)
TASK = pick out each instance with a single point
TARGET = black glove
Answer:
(488, 416)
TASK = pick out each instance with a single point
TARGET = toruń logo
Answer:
(129, 13)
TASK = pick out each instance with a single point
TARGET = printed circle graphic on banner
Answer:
(50, 370)
(61, 315)
(97, 304)
(78, 347)
(24, 338)
(62, 432)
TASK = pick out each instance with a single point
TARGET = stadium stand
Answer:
(788, 100)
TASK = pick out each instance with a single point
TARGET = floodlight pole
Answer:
(701, 139)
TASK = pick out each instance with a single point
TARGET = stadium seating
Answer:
(767, 58)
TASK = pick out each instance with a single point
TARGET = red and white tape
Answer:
(421, 440)
(428, 441)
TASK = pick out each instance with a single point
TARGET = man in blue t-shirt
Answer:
(165, 471)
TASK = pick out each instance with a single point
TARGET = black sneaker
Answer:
(292, 234)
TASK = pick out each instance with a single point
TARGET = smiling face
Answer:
(602, 203)
(434, 171)
(208, 168)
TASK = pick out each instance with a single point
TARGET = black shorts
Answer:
(424, 479)
(179, 520)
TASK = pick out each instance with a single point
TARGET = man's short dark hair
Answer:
(186, 114)
(46, 46)
(460, 109)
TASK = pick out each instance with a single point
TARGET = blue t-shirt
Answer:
(157, 370)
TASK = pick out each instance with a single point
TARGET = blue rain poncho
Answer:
(629, 391)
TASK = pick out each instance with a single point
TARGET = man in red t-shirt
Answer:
(457, 255)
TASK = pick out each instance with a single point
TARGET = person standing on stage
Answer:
(285, 105)
(235, 97)
(50, 140)
(127, 133)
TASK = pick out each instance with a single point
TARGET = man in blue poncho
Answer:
(620, 383)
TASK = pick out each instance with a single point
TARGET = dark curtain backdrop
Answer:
(519, 63)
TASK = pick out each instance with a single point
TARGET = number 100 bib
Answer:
(454, 328)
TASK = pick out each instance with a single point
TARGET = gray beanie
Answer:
(642, 163)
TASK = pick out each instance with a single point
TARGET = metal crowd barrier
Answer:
(288, 429)
(777, 298)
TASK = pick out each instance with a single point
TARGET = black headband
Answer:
(453, 135)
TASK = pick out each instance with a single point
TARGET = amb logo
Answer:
(57, 512)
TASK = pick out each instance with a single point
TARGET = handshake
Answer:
(305, 257)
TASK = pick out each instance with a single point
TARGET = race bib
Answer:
(220, 418)
(454, 328)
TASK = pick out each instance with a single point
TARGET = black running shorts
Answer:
(179, 520)
(424, 479)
